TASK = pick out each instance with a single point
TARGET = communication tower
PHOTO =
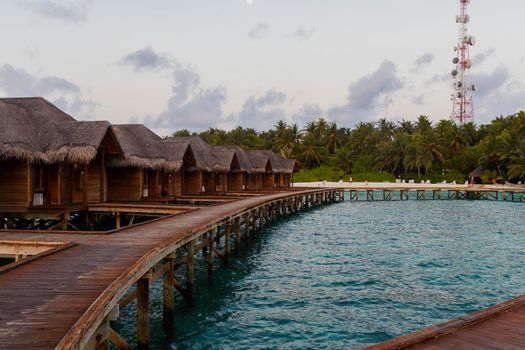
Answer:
(462, 100)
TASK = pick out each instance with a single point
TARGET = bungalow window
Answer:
(39, 184)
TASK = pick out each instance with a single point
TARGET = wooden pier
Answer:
(370, 193)
(498, 327)
(65, 297)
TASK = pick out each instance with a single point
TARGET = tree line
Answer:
(385, 150)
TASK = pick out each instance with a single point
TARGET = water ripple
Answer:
(352, 274)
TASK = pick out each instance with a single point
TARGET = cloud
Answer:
(498, 94)
(305, 33)
(190, 105)
(419, 100)
(64, 10)
(488, 83)
(260, 31)
(480, 58)
(147, 59)
(16, 82)
(262, 112)
(369, 94)
(49, 85)
(307, 113)
(423, 61)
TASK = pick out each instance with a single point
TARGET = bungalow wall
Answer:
(177, 183)
(221, 182)
(255, 182)
(96, 189)
(14, 186)
(192, 182)
(236, 181)
(124, 184)
(268, 181)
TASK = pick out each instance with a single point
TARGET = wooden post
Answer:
(65, 220)
(117, 221)
(254, 223)
(211, 236)
(237, 235)
(247, 227)
(227, 242)
(143, 314)
(260, 218)
(189, 271)
(167, 314)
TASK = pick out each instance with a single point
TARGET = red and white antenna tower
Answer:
(462, 100)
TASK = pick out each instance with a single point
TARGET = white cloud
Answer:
(305, 32)
(16, 82)
(64, 10)
(260, 31)
(147, 59)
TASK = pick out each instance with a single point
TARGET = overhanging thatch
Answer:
(279, 164)
(34, 130)
(144, 149)
(208, 158)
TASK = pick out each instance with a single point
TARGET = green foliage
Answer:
(372, 150)
(320, 174)
(378, 176)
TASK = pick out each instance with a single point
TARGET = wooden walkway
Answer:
(61, 300)
(501, 327)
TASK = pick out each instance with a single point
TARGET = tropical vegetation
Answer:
(385, 150)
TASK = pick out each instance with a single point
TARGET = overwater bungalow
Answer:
(213, 167)
(281, 170)
(51, 163)
(151, 169)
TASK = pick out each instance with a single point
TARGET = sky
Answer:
(194, 64)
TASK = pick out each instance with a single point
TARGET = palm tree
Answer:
(332, 138)
(310, 152)
(406, 126)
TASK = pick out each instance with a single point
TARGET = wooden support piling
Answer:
(189, 271)
(237, 235)
(169, 301)
(211, 236)
(227, 242)
(247, 227)
(143, 314)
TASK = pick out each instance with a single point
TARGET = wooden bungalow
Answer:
(212, 167)
(272, 176)
(151, 169)
(289, 166)
(238, 177)
(49, 162)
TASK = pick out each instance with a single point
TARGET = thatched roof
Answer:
(142, 148)
(249, 162)
(208, 158)
(34, 130)
(291, 165)
(279, 164)
(478, 172)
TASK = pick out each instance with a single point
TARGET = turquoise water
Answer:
(352, 274)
